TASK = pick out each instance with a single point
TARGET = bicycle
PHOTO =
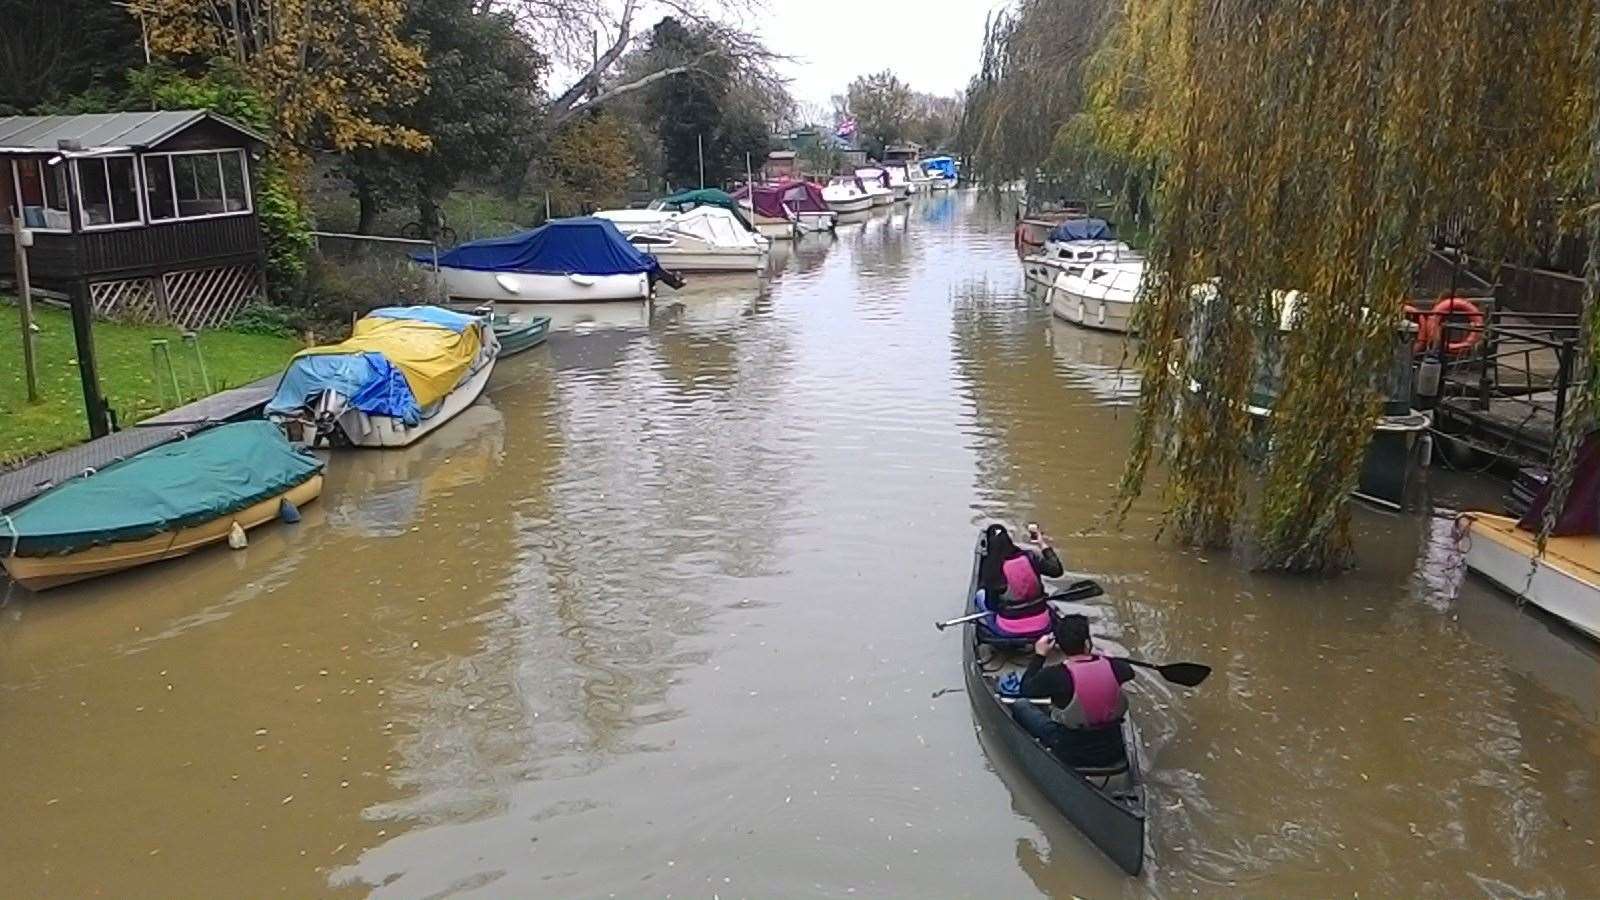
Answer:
(443, 234)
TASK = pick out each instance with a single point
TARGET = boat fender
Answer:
(236, 537)
(287, 511)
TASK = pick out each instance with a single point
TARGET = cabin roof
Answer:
(105, 131)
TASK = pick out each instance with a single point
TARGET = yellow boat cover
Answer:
(433, 358)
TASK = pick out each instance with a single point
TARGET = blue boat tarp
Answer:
(581, 246)
(179, 485)
(373, 384)
(1083, 230)
(433, 315)
(940, 165)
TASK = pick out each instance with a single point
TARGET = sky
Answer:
(932, 45)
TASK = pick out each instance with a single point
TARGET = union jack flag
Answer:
(847, 127)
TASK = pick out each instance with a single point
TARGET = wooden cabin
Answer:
(143, 216)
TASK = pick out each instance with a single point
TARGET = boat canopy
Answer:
(396, 362)
(770, 199)
(1082, 230)
(185, 483)
(683, 201)
(1582, 512)
(804, 196)
(874, 174)
(579, 246)
(715, 226)
(940, 165)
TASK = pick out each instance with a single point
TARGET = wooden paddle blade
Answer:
(1078, 590)
(1187, 674)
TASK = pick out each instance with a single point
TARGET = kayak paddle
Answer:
(1078, 590)
(1188, 674)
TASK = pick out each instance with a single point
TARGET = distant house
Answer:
(902, 153)
(146, 216)
(781, 164)
(848, 157)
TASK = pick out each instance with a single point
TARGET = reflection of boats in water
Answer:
(382, 494)
(723, 299)
(579, 317)
(1100, 362)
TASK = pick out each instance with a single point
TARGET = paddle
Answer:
(1078, 590)
(1188, 674)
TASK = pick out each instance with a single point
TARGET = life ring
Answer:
(1430, 325)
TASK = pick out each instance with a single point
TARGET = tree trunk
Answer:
(367, 200)
(427, 212)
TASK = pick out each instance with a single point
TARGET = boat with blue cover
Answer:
(163, 503)
(579, 260)
(404, 371)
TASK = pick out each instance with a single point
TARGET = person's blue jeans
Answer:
(1099, 747)
(1038, 723)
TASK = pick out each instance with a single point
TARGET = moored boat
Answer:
(942, 170)
(1564, 581)
(705, 239)
(845, 195)
(662, 211)
(784, 209)
(516, 337)
(160, 504)
(1071, 245)
(876, 181)
(403, 372)
(1108, 805)
(1101, 295)
(580, 260)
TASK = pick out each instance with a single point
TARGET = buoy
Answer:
(287, 511)
(236, 538)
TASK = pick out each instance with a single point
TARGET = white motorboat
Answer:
(898, 182)
(846, 194)
(1102, 296)
(403, 372)
(1070, 258)
(1564, 582)
(631, 221)
(877, 184)
(705, 239)
(579, 260)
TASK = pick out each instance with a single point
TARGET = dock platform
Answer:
(28, 481)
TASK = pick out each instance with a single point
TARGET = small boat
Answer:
(1108, 806)
(876, 181)
(403, 372)
(845, 194)
(1565, 580)
(579, 260)
(659, 212)
(772, 217)
(515, 337)
(163, 503)
(1102, 295)
(898, 182)
(706, 239)
(942, 170)
(1070, 245)
(798, 202)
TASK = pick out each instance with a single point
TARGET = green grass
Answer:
(126, 375)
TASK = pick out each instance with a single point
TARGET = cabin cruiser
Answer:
(845, 194)
(798, 202)
(942, 171)
(877, 183)
(1071, 245)
(660, 211)
(705, 239)
(898, 181)
(1100, 295)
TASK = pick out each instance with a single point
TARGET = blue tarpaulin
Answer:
(941, 165)
(583, 246)
(372, 383)
(434, 315)
(1082, 230)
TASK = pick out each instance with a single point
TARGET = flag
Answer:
(847, 127)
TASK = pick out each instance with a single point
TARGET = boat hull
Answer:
(38, 573)
(363, 430)
(817, 221)
(472, 285)
(851, 205)
(515, 338)
(883, 198)
(1116, 827)
(901, 191)
(731, 261)
(1565, 581)
(1092, 312)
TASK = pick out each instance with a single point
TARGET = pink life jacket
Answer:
(1022, 582)
(1097, 699)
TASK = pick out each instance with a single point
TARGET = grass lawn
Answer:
(126, 375)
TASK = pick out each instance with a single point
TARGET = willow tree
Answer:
(1311, 145)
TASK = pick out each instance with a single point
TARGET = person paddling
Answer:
(1084, 725)
(1010, 577)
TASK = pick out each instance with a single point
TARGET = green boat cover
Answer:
(683, 201)
(177, 485)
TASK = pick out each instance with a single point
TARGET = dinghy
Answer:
(163, 503)
(403, 372)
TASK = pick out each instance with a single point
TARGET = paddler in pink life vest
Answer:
(1084, 725)
(1010, 578)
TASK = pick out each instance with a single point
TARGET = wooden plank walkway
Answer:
(22, 484)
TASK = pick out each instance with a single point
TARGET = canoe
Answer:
(1111, 812)
(515, 337)
(164, 503)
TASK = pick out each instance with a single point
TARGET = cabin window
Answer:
(196, 185)
(41, 193)
(109, 191)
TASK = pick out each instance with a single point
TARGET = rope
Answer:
(15, 537)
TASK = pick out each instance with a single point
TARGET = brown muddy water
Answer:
(654, 619)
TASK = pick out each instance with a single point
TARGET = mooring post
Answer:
(25, 304)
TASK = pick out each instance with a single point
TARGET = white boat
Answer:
(1102, 296)
(876, 181)
(898, 182)
(631, 221)
(1564, 582)
(1071, 257)
(846, 194)
(921, 181)
(403, 372)
(538, 266)
(705, 239)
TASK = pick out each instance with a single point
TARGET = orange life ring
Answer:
(1430, 325)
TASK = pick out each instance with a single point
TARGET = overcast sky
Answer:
(933, 46)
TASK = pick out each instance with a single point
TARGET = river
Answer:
(654, 619)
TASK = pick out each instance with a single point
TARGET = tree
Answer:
(588, 165)
(881, 104)
(333, 71)
(706, 110)
(65, 48)
(479, 108)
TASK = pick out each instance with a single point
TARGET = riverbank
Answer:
(127, 376)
